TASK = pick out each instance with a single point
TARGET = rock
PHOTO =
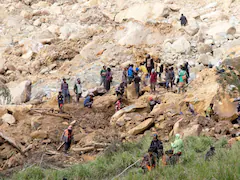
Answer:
(83, 150)
(127, 109)
(205, 59)
(192, 27)
(131, 92)
(142, 127)
(104, 102)
(204, 48)
(35, 123)
(181, 45)
(37, 22)
(143, 12)
(39, 134)
(8, 118)
(78, 137)
(174, 7)
(5, 95)
(193, 130)
(20, 93)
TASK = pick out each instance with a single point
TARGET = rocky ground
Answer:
(43, 41)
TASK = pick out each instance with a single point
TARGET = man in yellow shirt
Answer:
(144, 72)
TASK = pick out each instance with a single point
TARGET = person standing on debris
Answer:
(88, 101)
(130, 74)
(160, 67)
(137, 81)
(157, 146)
(182, 78)
(60, 101)
(167, 77)
(144, 72)
(210, 112)
(149, 64)
(190, 108)
(186, 67)
(108, 79)
(125, 76)
(177, 145)
(171, 77)
(67, 138)
(78, 90)
(153, 80)
(103, 73)
(183, 20)
(65, 91)
(152, 103)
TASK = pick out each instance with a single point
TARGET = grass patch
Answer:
(225, 164)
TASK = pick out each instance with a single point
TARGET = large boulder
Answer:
(142, 127)
(204, 48)
(205, 59)
(8, 118)
(127, 109)
(104, 102)
(143, 12)
(181, 45)
(20, 93)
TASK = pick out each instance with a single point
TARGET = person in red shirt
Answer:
(153, 80)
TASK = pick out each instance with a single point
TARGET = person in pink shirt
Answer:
(153, 80)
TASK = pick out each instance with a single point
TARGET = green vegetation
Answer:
(224, 165)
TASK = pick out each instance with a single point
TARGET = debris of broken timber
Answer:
(12, 142)
(45, 112)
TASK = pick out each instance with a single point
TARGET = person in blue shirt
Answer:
(130, 74)
(88, 101)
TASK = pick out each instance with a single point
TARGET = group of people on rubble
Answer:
(156, 152)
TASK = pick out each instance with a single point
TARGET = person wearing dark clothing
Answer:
(183, 20)
(152, 103)
(171, 77)
(120, 90)
(186, 67)
(157, 146)
(108, 79)
(65, 91)
(67, 138)
(130, 74)
(149, 64)
(137, 81)
(60, 101)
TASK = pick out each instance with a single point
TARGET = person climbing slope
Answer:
(183, 20)
(190, 108)
(120, 90)
(152, 103)
(125, 76)
(209, 111)
(118, 104)
(67, 138)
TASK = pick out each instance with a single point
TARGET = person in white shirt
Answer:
(78, 89)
